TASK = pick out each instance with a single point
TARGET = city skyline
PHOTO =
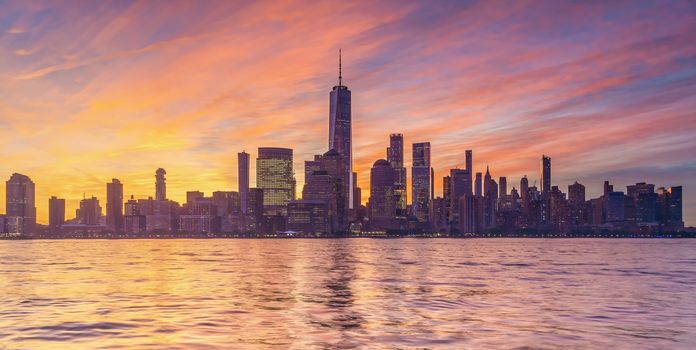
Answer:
(625, 106)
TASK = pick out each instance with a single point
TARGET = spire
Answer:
(340, 78)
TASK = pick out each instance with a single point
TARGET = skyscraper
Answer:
(421, 185)
(503, 186)
(325, 181)
(395, 157)
(479, 185)
(275, 176)
(114, 205)
(469, 167)
(20, 207)
(90, 212)
(56, 213)
(243, 181)
(459, 187)
(382, 204)
(545, 175)
(340, 137)
(160, 185)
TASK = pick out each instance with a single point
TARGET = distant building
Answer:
(469, 158)
(254, 218)
(471, 214)
(200, 215)
(545, 174)
(160, 185)
(438, 215)
(56, 213)
(503, 186)
(459, 186)
(275, 176)
(478, 186)
(421, 180)
(243, 181)
(308, 216)
(670, 207)
(382, 203)
(133, 221)
(340, 129)
(395, 157)
(20, 208)
(325, 181)
(90, 212)
(160, 215)
(114, 205)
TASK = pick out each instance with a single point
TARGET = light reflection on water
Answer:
(348, 293)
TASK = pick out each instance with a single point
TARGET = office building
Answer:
(275, 176)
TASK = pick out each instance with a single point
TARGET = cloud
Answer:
(119, 89)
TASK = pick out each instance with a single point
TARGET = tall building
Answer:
(90, 212)
(460, 186)
(308, 216)
(160, 185)
(421, 181)
(503, 186)
(255, 209)
(340, 119)
(471, 214)
(545, 174)
(468, 154)
(243, 181)
(382, 203)
(395, 157)
(56, 213)
(576, 203)
(670, 206)
(20, 208)
(478, 191)
(275, 176)
(326, 182)
(114, 205)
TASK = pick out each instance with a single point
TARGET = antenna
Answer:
(340, 78)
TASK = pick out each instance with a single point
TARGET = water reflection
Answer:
(347, 293)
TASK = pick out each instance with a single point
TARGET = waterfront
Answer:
(348, 293)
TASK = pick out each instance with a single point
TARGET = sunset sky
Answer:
(96, 90)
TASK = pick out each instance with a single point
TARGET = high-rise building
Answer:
(133, 221)
(460, 185)
(447, 195)
(469, 155)
(326, 182)
(471, 214)
(56, 213)
(576, 194)
(503, 186)
(395, 157)
(90, 212)
(20, 208)
(243, 180)
(421, 180)
(382, 203)
(160, 185)
(545, 174)
(478, 186)
(114, 205)
(255, 209)
(669, 211)
(340, 120)
(576, 204)
(275, 176)
(308, 216)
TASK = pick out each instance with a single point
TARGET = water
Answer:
(348, 293)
